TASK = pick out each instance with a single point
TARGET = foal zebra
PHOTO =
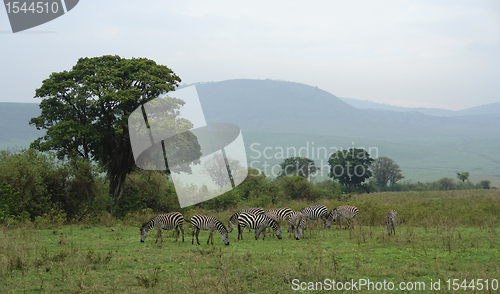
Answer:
(344, 213)
(297, 223)
(259, 222)
(278, 215)
(232, 220)
(208, 223)
(168, 221)
(315, 212)
(391, 220)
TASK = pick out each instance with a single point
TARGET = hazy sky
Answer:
(442, 54)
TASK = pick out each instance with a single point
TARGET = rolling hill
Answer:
(277, 116)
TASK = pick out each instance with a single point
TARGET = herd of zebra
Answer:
(259, 220)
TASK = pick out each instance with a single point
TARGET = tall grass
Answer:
(440, 235)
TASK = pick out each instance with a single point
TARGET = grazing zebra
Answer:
(391, 220)
(208, 223)
(297, 222)
(345, 213)
(168, 221)
(259, 222)
(315, 212)
(232, 220)
(278, 215)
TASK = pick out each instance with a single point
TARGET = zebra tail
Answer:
(187, 220)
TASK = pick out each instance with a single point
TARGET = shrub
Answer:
(484, 184)
(446, 184)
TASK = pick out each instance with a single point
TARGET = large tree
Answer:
(85, 111)
(385, 170)
(350, 167)
(300, 166)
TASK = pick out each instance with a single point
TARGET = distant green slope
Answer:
(291, 115)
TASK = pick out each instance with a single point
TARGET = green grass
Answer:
(109, 257)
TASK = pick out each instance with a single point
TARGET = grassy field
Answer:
(431, 245)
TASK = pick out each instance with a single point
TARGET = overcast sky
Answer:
(443, 54)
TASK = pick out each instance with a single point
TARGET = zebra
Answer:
(344, 213)
(167, 221)
(278, 215)
(259, 222)
(232, 220)
(391, 220)
(297, 223)
(315, 212)
(208, 223)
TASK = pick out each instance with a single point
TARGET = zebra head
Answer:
(230, 226)
(144, 234)
(225, 238)
(331, 217)
(277, 232)
(300, 232)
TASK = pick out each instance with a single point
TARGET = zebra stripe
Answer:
(315, 212)
(208, 223)
(279, 214)
(259, 222)
(391, 220)
(168, 221)
(232, 220)
(345, 213)
(297, 223)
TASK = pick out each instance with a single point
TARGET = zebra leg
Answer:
(197, 233)
(182, 230)
(240, 232)
(178, 233)
(193, 229)
(158, 235)
(210, 236)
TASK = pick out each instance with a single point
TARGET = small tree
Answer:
(350, 167)
(463, 176)
(300, 166)
(385, 170)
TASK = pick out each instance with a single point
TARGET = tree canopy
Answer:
(385, 170)
(85, 110)
(463, 176)
(300, 166)
(350, 167)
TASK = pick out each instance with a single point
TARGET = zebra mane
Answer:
(218, 224)
(147, 224)
(234, 217)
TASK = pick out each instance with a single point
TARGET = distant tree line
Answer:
(37, 184)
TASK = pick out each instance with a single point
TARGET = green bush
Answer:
(446, 184)
(147, 189)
